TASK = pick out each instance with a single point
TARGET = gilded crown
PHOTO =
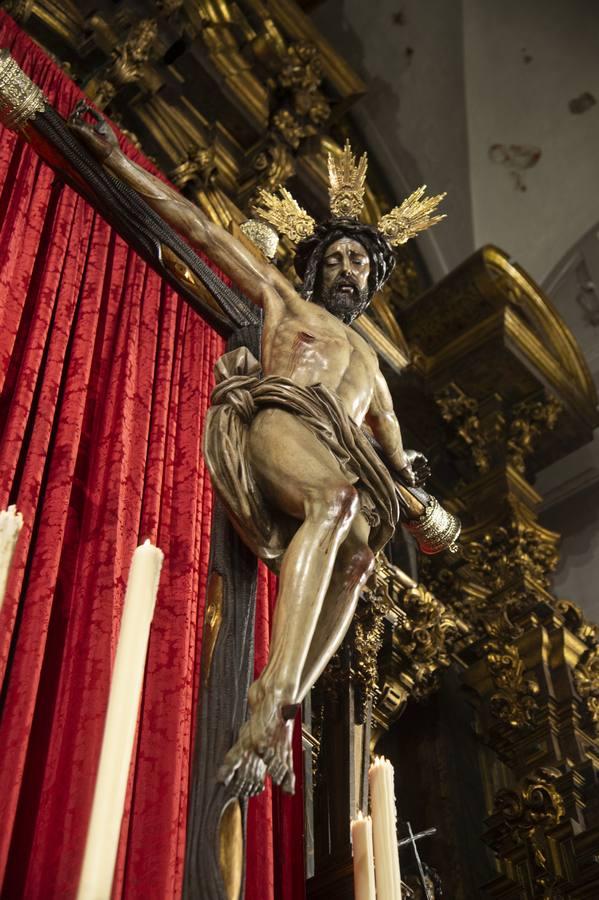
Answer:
(347, 183)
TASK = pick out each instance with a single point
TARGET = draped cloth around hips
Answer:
(240, 393)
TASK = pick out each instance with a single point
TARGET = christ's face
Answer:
(344, 290)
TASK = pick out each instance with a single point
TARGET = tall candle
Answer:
(101, 846)
(362, 852)
(384, 829)
(11, 523)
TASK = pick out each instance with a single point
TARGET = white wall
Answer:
(414, 115)
(512, 101)
(482, 72)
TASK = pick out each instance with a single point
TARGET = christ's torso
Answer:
(307, 344)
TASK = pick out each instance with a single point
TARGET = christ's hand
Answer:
(417, 470)
(98, 137)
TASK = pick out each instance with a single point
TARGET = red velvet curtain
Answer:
(105, 377)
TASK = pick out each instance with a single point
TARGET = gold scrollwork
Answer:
(536, 802)
(586, 677)
(424, 637)
(518, 548)
(513, 702)
(529, 420)
(368, 631)
(462, 414)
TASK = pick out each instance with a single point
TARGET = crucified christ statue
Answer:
(285, 443)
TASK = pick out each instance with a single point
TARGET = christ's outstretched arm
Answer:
(249, 273)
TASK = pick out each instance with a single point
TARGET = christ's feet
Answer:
(263, 747)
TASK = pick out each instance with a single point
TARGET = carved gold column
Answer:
(506, 393)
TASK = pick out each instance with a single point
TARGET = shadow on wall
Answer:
(577, 576)
(382, 101)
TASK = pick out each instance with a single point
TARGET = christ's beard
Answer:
(342, 303)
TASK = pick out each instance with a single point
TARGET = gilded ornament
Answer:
(302, 67)
(525, 819)
(586, 678)
(128, 61)
(347, 179)
(290, 129)
(285, 214)
(198, 163)
(411, 217)
(536, 802)
(513, 702)
(262, 235)
(424, 636)
(512, 551)
(20, 98)
(461, 412)
(436, 530)
(530, 420)
(347, 183)
(368, 632)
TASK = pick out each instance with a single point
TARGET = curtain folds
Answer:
(105, 376)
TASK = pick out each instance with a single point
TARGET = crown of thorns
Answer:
(346, 195)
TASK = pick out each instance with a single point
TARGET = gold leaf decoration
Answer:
(411, 217)
(285, 214)
(346, 183)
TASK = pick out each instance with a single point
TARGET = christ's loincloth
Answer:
(240, 393)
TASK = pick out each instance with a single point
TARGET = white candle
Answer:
(11, 523)
(362, 852)
(384, 829)
(126, 685)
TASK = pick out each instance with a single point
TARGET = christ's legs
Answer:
(353, 567)
(303, 479)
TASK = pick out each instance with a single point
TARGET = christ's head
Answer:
(343, 264)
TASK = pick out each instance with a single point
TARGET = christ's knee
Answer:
(335, 507)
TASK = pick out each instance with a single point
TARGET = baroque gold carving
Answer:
(514, 550)
(272, 164)
(513, 701)
(199, 163)
(526, 817)
(530, 419)
(128, 60)
(536, 802)
(368, 630)
(424, 637)
(462, 414)
(586, 677)
(305, 108)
